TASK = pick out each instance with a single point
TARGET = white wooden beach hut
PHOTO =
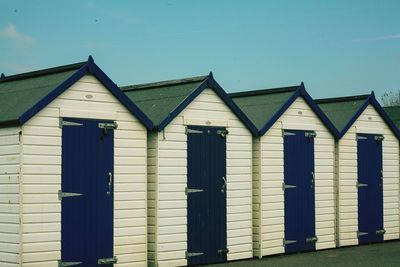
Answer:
(293, 171)
(367, 170)
(199, 176)
(72, 170)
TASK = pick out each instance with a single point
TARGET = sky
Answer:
(336, 48)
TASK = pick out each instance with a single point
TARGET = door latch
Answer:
(223, 251)
(106, 261)
(110, 176)
(380, 232)
(312, 239)
(222, 133)
(224, 185)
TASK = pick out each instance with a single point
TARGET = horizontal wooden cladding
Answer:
(368, 122)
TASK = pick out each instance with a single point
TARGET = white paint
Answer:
(168, 180)
(347, 178)
(268, 203)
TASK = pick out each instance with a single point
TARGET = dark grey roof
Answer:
(19, 93)
(261, 105)
(158, 100)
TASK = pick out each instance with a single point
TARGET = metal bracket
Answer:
(192, 190)
(192, 131)
(310, 134)
(312, 239)
(108, 125)
(68, 263)
(63, 123)
(107, 261)
(380, 232)
(379, 138)
(223, 251)
(288, 242)
(361, 233)
(193, 254)
(62, 194)
(222, 133)
(358, 185)
(287, 186)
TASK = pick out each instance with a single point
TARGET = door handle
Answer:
(224, 186)
(110, 176)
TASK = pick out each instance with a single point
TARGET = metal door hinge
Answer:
(288, 242)
(380, 232)
(193, 254)
(108, 125)
(192, 190)
(106, 261)
(358, 185)
(222, 133)
(359, 137)
(287, 186)
(285, 133)
(192, 131)
(361, 233)
(379, 138)
(68, 123)
(310, 134)
(312, 239)
(68, 263)
(62, 194)
(223, 251)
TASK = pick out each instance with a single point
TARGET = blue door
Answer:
(87, 193)
(370, 190)
(299, 192)
(206, 195)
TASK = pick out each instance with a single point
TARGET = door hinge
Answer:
(68, 123)
(379, 138)
(288, 242)
(68, 263)
(286, 133)
(108, 125)
(62, 194)
(287, 186)
(222, 133)
(107, 261)
(358, 185)
(380, 232)
(223, 251)
(361, 233)
(192, 131)
(310, 134)
(192, 190)
(193, 254)
(312, 239)
(359, 137)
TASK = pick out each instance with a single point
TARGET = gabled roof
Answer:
(344, 111)
(394, 114)
(22, 96)
(264, 107)
(163, 101)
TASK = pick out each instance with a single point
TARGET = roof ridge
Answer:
(41, 72)
(341, 99)
(163, 83)
(265, 91)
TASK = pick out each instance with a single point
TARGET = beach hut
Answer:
(199, 172)
(72, 170)
(293, 171)
(367, 170)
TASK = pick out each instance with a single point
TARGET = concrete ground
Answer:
(375, 255)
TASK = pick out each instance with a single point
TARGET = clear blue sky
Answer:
(336, 47)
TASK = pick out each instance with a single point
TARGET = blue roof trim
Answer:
(210, 82)
(371, 100)
(89, 68)
(300, 92)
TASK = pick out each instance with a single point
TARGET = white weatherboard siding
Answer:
(41, 159)
(9, 197)
(298, 116)
(369, 122)
(171, 206)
